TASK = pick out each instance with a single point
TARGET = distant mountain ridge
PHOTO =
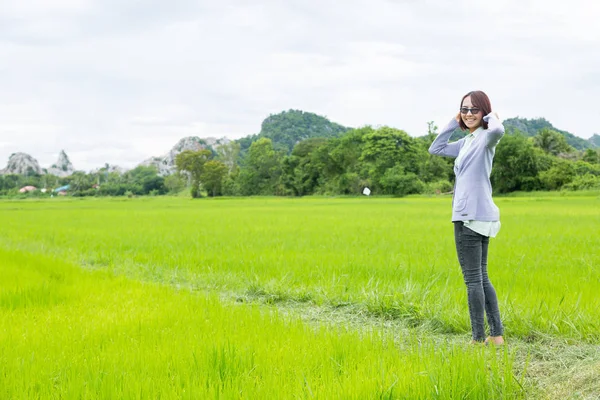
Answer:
(284, 129)
(530, 127)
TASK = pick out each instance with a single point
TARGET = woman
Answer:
(474, 214)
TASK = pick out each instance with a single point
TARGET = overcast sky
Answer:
(119, 81)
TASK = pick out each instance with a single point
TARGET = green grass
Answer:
(392, 257)
(70, 333)
(172, 273)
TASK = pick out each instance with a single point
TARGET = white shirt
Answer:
(485, 228)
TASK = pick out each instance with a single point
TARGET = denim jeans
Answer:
(472, 251)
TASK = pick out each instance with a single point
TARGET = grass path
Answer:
(553, 368)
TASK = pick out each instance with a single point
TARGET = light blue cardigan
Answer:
(472, 191)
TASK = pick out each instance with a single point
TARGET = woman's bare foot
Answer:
(495, 340)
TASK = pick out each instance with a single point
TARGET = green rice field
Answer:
(278, 298)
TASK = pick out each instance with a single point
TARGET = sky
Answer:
(119, 81)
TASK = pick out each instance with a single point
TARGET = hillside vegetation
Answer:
(290, 127)
(299, 153)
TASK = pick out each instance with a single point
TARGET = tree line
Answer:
(386, 160)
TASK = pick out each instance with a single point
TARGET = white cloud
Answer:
(120, 81)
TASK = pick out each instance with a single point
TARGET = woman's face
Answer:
(471, 115)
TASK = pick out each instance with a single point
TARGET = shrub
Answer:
(584, 182)
(438, 187)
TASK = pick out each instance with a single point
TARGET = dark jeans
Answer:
(472, 251)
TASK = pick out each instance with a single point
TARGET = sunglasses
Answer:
(465, 110)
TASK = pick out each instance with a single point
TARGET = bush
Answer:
(583, 182)
(230, 187)
(395, 181)
(195, 192)
(584, 168)
(561, 174)
(349, 183)
(85, 193)
(175, 183)
(438, 187)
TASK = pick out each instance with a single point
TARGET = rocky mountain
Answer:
(25, 164)
(22, 164)
(166, 163)
(595, 140)
(62, 167)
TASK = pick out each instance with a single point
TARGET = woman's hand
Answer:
(491, 114)
(457, 118)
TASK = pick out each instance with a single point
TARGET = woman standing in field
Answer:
(474, 214)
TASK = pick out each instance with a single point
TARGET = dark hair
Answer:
(479, 100)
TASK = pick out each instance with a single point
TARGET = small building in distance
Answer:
(27, 189)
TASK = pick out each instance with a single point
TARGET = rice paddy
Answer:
(291, 298)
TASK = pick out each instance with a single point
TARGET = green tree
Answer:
(433, 169)
(49, 181)
(584, 182)
(301, 171)
(432, 129)
(80, 181)
(562, 173)
(10, 182)
(583, 168)
(175, 183)
(515, 165)
(551, 142)
(143, 180)
(231, 183)
(262, 170)
(436, 168)
(212, 177)
(351, 183)
(229, 154)
(192, 162)
(345, 152)
(340, 163)
(591, 156)
(387, 148)
(400, 183)
(114, 184)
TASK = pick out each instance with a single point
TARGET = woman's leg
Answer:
(491, 299)
(469, 248)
